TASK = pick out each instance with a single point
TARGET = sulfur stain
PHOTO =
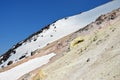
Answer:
(40, 75)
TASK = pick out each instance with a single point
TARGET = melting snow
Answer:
(18, 71)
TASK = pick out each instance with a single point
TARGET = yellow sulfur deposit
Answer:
(77, 41)
(39, 76)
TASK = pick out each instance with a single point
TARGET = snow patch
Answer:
(18, 71)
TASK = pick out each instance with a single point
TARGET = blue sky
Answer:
(21, 18)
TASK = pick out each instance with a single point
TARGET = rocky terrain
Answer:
(53, 32)
(90, 53)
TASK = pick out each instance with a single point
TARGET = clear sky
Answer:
(21, 18)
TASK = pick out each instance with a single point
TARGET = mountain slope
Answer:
(90, 53)
(94, 53)
(54, 32)
(96, 58)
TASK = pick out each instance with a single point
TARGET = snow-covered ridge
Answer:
(54, 32)
(25, 67)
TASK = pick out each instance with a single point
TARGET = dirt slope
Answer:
(92, 53)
